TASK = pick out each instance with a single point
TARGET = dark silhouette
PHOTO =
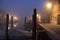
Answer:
(25, 22)
(11, 21)
(7, 22)
(34, 25)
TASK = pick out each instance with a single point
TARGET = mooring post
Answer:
(11, 21)
(7, 24)
(34, 25)
(25, 23)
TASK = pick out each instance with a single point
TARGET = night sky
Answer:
(22, 7)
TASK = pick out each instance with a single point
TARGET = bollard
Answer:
(34, 25)
(11, 21)
(7, 24)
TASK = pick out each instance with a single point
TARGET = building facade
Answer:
(55, 18)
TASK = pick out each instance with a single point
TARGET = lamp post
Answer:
(49, 8)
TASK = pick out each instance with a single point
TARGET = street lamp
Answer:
(8, 27)
(49, 5)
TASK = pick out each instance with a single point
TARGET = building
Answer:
(55, 17)
(52, 15)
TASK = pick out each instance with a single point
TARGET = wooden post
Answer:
(34, 25)
(7, 22)
(25, 22)
(11, 21)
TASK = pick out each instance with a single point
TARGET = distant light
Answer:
(8, 27)
(14, 25)
(37, 15)
(15, 18)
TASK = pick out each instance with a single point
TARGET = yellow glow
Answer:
(49, 5)
(38, 17)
